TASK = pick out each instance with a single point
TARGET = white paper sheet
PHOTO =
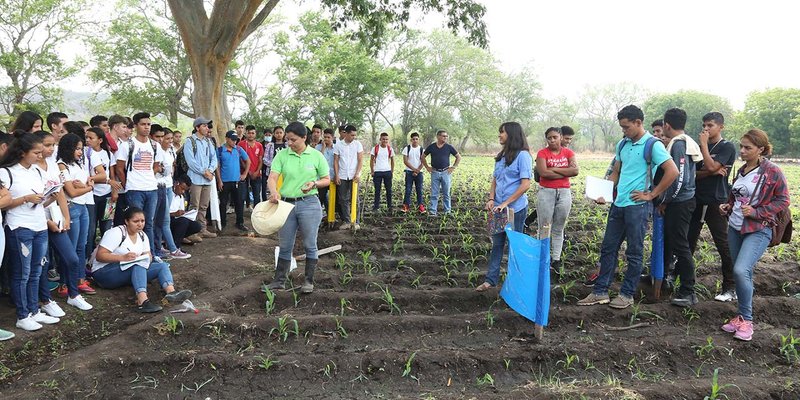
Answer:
(597, 188)
(191, 215)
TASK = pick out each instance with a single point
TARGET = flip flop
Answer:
(483, 287)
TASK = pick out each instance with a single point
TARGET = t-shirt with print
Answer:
(140, 176)
(348, 158)
(440, 156)
(742, 190)
(103, 158)
(20, 182)
(165, 176)
(254, 152)
(77, 172)
(553, 160)
(715, 188)
(414, 156)
(118, 241)
(382, 155)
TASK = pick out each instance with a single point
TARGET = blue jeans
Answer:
(112, 277)
(27, 253)
(147, 201)
(68, 263)
(78, 234)
(499, 245)
(746, 249)
(163, 232)
(96, 213)
(417, 182)
(440, 184)
(385, 178)
(305, 216)
(629, 224)
(253, 185)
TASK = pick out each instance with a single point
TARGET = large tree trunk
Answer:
(210, 42)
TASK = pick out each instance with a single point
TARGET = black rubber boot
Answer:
(279, 282)
(308, 284)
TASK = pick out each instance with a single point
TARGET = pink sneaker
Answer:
(733, 324)
(745, 331)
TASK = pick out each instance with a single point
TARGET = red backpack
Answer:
(378, 147)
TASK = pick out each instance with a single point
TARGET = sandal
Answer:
(483, 287)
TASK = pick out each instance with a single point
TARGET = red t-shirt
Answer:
(255, 152)
(552, 160)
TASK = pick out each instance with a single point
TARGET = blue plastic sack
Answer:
(527, 286)
(657, 253)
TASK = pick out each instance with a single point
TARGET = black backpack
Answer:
(182, 168)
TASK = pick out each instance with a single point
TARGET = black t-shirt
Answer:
(715, 189)
(440, 157)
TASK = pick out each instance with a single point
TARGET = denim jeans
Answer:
(552, 209)
(96, 213)
(385, 178)
(112, 277)
(250, 187)
(71, 268)
(629, 224)
(78, 234)
(499, 245)
(416, 181)
(147, 201)
(163, 231)
(440, 185)
(183, 227)
(305, 217)
(27, 253)
(746, 249)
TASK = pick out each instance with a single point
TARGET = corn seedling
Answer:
(565, 288)
(284, 328)
(716, 388)
(270, 303)
(788, 348)
(706, 349)
(340, 328)
(295, 297)
(341, 261)
(265, 363)
(485, 380)
(170, 325)
(690, 315)
(415, 282)
(387, 298)
(636, 311)
(344, 304)
(329, 369)
(407, 369)
(507, 362)
(346, 278)
(569, 361)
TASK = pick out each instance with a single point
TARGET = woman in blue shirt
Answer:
(510, 181)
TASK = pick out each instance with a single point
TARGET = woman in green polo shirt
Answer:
(304, 169)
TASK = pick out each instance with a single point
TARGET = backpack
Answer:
(130, 152)
(648, 158)
(124, 230)
(408, 150)
(378, 147)
(782, 230)
(180, 158)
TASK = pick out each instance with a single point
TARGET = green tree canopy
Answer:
(777, 112)
(696, 104)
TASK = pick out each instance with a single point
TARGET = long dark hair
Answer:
(515, 142)
(25, 121)
(23, 142)
(66, 149)
(103, 139)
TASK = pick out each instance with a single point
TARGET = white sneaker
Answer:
(728, 295)
(52, 309)
(43, 318)
(28, 324)
(79, 303)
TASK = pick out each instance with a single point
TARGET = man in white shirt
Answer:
(348, 157)
(138, 160)
(381, 165)
(412, 158)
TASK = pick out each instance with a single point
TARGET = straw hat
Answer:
(268, 217)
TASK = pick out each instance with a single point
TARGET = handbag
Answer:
(497, 220)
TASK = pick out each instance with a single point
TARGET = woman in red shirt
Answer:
(555, 165)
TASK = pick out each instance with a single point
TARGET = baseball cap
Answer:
(232, 135)
(200, 121)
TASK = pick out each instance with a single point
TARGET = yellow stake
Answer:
(354, 202)
(332, 203)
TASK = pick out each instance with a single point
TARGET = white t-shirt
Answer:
(95, 159)
(382, 155)
(54, 157)
(24, 181)
(140, 176)
(178, 203)
(414, 156)
(348, 158)
(54, 175)
(77, 172)
(165, 177)
(111, 241)
(743, 190)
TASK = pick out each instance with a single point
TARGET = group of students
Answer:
(669, 177)
(60, 187)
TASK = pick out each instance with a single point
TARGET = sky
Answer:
(727, 48)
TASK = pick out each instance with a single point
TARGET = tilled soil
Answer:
(437, 339)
